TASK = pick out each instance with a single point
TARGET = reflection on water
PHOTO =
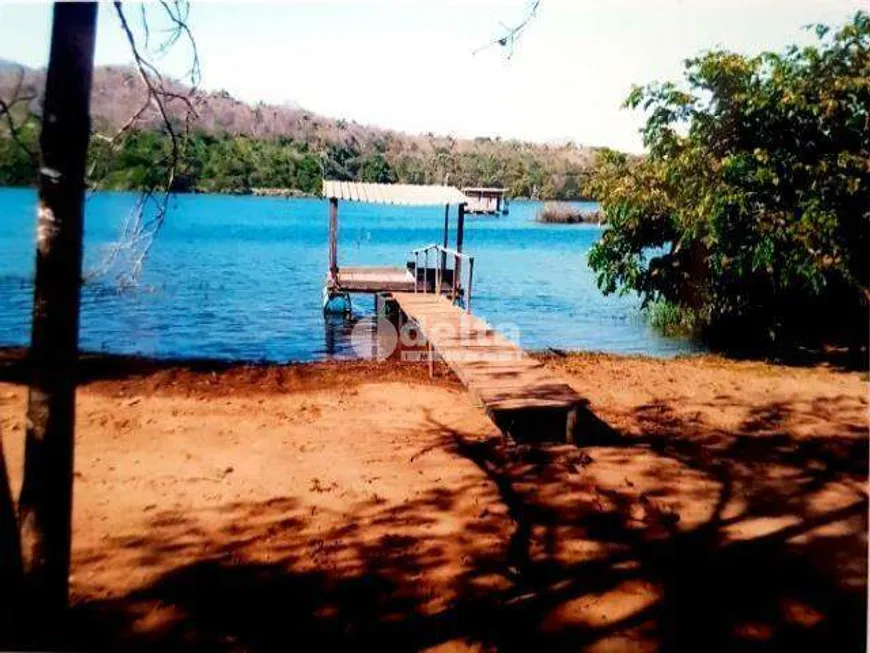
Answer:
(241, 278)
(338, 328)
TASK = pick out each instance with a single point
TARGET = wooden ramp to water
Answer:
(520, 394)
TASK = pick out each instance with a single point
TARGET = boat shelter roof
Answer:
(404, 194)
(483, 189)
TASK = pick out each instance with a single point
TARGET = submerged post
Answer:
(333, 237)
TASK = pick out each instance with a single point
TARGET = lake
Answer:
(241, 277)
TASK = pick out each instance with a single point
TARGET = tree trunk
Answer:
(45, 504)
(10, 553)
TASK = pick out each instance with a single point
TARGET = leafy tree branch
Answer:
(751, 211)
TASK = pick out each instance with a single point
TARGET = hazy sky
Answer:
(409, 64)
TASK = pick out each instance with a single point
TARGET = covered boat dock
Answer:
(486, 201)
(446, 262)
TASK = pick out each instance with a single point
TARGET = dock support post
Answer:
(446, 234)
(470, 279)
(388, 309)
(460, 236)
(333, 237)
(570, 425)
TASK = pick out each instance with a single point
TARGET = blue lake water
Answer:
(241, 278)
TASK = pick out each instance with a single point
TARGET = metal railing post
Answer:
(440, 270)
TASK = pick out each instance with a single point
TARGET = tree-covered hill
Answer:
(234, 147)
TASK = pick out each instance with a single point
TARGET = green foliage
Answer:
(671, 319)
(752, 208)
(19, 168)
(229, 164)
(237, 164)
(375, 169)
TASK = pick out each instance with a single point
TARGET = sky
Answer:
(411, 65)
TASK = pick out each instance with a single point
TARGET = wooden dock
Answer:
(373, 279)
(342, 281)
(519, 394)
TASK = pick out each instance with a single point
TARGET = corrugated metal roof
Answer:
(405, 194)
(483, 189)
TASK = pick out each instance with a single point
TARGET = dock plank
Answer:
(373, 279)
(513, 387)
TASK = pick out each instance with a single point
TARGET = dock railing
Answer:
(440, 269)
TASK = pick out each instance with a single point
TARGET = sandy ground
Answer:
(714, 505)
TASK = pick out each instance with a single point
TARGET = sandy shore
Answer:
(722, 505)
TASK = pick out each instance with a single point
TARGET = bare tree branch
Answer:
(6, 107)
(127, 256)
(143, 19)
(511, 35)
(178, 11)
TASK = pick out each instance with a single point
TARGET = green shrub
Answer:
(564, 213)
(752, 207)
(672, 319)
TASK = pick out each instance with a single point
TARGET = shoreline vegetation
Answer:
(748, 221)
(295, 193)
(565, 213)
(280, 192)
(233, 147)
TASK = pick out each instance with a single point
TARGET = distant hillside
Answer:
(240, 146)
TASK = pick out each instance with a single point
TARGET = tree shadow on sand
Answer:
(678, 537)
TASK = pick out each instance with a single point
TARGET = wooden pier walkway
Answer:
(519, 394)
